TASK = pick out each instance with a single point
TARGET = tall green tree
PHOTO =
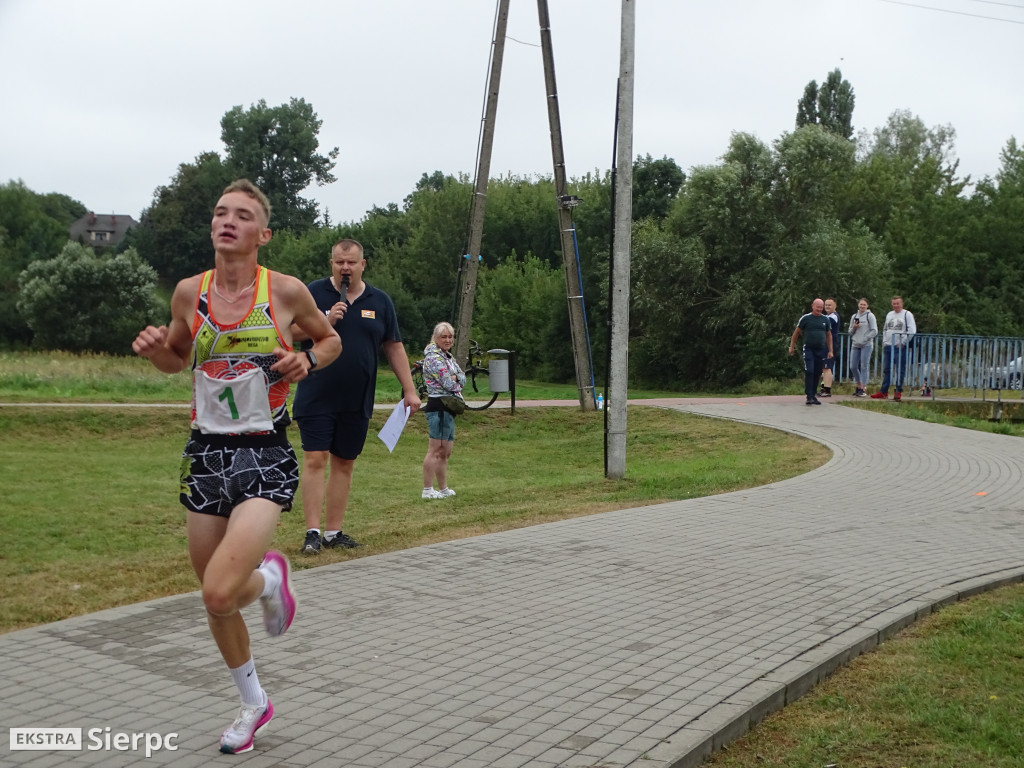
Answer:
(905, 136)
(656, 184)
(719, 284)
(62, 208)
(830, 105)
(277, 148)
(670, 285)
(961, 259)
(899, 163)
(174, 231)
(521, 306)
(813, 166)
(437, 217)
(522, 217)
(999, 228)
(906, 190)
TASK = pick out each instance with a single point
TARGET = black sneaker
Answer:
(342, 540)
(311, 546)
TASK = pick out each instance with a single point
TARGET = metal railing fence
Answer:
(947, 362)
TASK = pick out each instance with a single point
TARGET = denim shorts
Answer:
(440, 425)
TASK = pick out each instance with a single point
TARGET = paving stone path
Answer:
(644, 637)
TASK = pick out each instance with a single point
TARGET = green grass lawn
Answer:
(965, 414)
(45, 377)
(947, 692)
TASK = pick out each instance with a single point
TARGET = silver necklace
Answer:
(232, 301)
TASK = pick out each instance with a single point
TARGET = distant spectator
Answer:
(817, 347)
(827, 372)
(863, 329)
(897, 336)
(443, 378)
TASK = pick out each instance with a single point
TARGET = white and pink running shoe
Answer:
(250, 723)
(279, 605)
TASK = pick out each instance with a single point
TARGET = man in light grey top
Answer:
(897, 335)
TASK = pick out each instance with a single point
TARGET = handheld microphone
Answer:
(344, 289)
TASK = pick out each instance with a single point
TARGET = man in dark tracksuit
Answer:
(816, 329)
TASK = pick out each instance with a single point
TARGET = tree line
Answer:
(724, 257)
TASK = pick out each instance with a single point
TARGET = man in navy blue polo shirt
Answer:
(333, 405)
(817, 333)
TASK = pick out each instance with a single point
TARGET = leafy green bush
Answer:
(87, 302)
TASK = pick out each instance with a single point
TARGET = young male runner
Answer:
(231, 325)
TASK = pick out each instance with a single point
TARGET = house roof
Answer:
(116, 224)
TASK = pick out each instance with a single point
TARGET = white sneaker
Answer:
(446, 492)
(279, 606)
(249, 724)
(430, 493)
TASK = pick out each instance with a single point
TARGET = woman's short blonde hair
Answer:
(439, 329)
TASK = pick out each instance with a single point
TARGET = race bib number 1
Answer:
(232, 406)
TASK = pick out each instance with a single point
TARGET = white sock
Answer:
(248, 684)
(313, 529)
(330, 535)
(271, 580)
(428, 489)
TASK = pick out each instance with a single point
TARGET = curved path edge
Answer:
(735, 716)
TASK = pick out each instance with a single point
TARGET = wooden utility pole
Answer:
(470, 265)
(618, 358)
(565, 202)
(567, 231)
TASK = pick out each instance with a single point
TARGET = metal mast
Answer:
(479, 205)
(567, 231)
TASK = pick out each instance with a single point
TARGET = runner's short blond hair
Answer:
(248, 188)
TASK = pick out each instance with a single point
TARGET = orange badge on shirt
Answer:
(369, 314)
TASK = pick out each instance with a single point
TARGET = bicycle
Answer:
(475, 366)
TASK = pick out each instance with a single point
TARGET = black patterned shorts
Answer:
(215, 478)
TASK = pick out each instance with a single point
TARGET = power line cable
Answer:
(522, 42)
(958, 13)
(996, 2)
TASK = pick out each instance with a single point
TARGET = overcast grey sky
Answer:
(104, 99)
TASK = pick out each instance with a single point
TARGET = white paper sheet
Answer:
(392, 429)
